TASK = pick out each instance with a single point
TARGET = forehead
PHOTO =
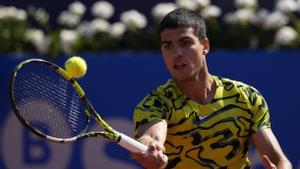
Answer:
(177, 33)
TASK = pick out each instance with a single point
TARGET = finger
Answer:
(138, 156)
(151, 151)
(267, 162)
(151, 162)
(154, 160)
(164, 161)
(160, 147)
(157, 146)
(158, 163)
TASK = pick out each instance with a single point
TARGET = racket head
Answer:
(48, 101)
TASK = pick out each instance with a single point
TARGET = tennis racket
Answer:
(52, 105)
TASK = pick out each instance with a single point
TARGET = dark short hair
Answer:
(179, 18)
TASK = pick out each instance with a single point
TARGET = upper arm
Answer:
(267, 144)
(151, 113)
(150, 120)
(260, 112)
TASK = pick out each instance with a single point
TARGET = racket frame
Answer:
(109, 133)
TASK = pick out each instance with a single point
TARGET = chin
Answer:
(184, 78)
(181, 79)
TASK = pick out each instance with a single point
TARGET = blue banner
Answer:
(116, 82)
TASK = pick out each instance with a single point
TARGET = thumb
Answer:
(267, 162)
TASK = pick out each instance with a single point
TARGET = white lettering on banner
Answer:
(22, 150)
(37, 154)
(94, 153)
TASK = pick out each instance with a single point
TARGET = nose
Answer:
(177, 52)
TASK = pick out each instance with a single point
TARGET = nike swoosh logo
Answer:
(203, 117)
(200, 119)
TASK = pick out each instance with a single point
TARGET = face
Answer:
(183, 53)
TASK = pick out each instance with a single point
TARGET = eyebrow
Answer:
(165, 41)
(180, 39)
(184, 38)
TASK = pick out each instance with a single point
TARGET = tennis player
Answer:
(197, 119)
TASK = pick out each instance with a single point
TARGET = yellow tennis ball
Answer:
(76, 67)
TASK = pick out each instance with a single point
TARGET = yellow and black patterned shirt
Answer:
(214, 135)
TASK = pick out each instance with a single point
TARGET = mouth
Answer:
(179, 66)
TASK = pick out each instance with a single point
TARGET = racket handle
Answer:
(131, 144)
(136, 147)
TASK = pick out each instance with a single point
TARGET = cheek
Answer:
(196, 59)
(167, 60)
(192, 50)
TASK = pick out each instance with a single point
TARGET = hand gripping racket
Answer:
(51, 104)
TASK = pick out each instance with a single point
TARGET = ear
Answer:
(206, 46)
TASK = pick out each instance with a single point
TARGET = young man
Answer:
(197, 119)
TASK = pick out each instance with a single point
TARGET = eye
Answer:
(167, 46)
(186, 42)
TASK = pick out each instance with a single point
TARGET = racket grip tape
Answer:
(136, 147)
(131, 144)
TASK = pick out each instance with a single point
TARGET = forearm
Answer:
(268, 146)
(150, 137)
(156, 133)
(284, 164)
(153, 133)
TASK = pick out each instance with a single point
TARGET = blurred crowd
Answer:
(248, 26)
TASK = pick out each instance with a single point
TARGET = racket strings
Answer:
(49, 102)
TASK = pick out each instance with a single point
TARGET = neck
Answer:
(200, 90)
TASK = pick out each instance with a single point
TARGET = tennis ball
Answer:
(76, 67)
